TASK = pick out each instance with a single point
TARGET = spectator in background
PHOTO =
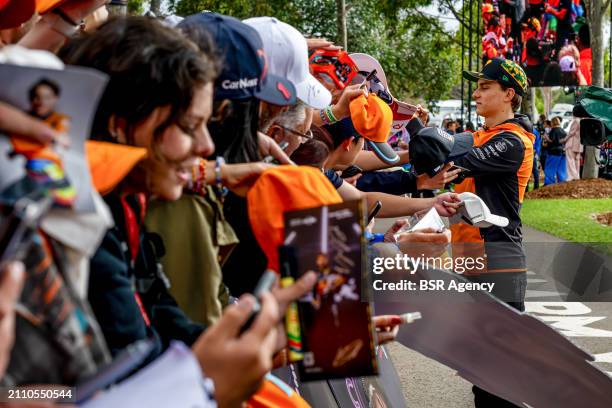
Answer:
(570, 75)
(460, 128)
(540, 124)
(537, 145)
(562, 13)
(451, 126)
(573, 150)
(534, 60)
(552, 74)
(530, 30)
(545, 142)
(555, 170)
(536, 8)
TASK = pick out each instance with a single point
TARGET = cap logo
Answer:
(262, 55)
(516, 72)
(445, 135)
(240, 84)
(500, 146)
(281, 87)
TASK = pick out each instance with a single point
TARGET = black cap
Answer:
(506, 72)
(432, 147)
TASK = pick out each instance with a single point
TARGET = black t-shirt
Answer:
(248, 262)
(494, 166)
(565, 24)
(555, 147)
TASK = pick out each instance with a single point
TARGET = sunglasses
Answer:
(308, 135)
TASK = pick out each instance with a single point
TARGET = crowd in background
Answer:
(549, 38)
(558, 152)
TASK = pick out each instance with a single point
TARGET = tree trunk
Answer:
(526, 104)
(341, 23)
(156, 7)
(533, 110)
(596, 10)
(547, 98)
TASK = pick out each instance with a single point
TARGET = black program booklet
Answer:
(334, 337)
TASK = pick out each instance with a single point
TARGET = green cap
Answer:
(506, 72)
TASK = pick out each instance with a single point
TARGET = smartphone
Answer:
(265, 284)
(17, 230)
(374, 212)
(367, 79)
(351, 171)
(271, 159)
(455, 167)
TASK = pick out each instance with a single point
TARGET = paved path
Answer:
(427, 383)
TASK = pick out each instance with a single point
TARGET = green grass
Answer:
(569, 219)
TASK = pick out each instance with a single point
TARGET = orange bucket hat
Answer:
(372, 118)
(280, 189)
(110, 163)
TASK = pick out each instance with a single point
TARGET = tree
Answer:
(596, 10)
(419, 57)
(136, 6)
(341, 21)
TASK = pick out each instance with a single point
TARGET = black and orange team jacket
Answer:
(499, 165)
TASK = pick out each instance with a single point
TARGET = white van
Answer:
(451, 108)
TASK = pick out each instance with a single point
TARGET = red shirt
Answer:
(586, 64)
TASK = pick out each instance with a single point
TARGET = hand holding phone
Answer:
(366, 80)
(456, 167)
(351, 171)
(270, 158)
(374, 212)
(265, 284)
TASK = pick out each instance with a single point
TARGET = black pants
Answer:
(483, 399)
(513, 287)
